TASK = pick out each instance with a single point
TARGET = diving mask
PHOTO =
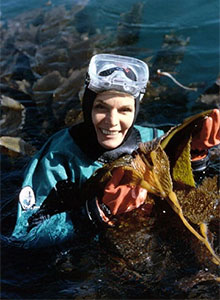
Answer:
(115, 72)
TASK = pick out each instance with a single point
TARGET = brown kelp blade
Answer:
(177, 145)
(160, 178)
(181, 170)
(15, 146)
(190, 122)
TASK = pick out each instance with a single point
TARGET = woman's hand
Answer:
(208, 137)
(117, 199)
(121, 198)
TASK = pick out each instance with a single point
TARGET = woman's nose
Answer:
(112, 118)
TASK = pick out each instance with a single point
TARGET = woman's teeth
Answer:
(107, 132)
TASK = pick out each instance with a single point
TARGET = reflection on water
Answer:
(44, 57)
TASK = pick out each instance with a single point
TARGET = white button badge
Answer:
(27, 198)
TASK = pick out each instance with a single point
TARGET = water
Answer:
(197, 20)
(34, 46)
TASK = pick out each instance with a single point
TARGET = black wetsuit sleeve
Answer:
(200, 165)
(62, 198)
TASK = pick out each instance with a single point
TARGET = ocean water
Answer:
(197, 20)
(41, 37)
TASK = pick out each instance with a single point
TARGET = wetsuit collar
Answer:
(86, 139)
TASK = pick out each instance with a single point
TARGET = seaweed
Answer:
(163, 168)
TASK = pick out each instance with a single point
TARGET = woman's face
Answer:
(112, 116)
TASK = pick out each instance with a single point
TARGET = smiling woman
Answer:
(50, 196)
(112, 115)
(110, 106)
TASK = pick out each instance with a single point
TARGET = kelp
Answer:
(161, 165)
(171, 53)
(15, 146)
(128, 30)
(12, 117)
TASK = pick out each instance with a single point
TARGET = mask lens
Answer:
(128, 72)
(109, 71)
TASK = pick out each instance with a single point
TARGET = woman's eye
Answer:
(99, 106)
(126, 109)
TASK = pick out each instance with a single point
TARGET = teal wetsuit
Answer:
(60, 158)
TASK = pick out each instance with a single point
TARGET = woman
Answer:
(114, 87)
